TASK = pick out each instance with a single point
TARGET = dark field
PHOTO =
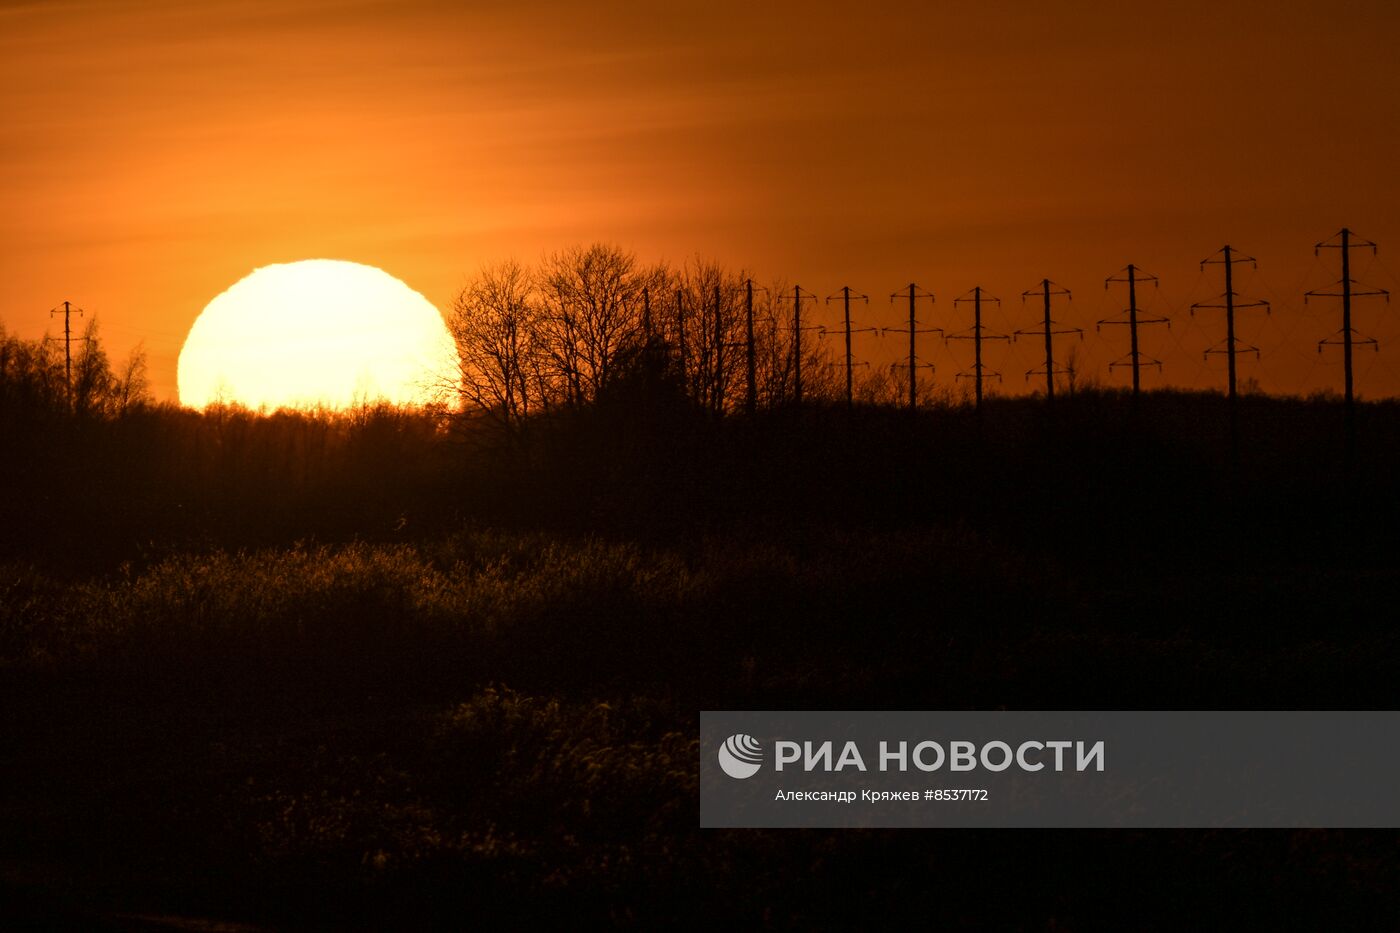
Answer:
(389, 671)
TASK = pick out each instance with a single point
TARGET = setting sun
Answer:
(316, 332)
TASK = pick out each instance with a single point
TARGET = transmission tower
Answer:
(976, 333)
(797, 329)
(846, 296)
(1132, 275)
(68, 312)
(1046, 290)
(751, 347)
(1346, 337)
(1228, 258)
(914, 294)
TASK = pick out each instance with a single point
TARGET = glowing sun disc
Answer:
(316, 332)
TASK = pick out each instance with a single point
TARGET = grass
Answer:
(502, 725)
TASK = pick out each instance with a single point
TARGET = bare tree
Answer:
(592, 315)
(589, 319)
(496, 324)
(880, 385)
(716, 332)
(32, 377)
(93, 382)
(133, 383)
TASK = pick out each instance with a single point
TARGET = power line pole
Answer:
(976, 333)
(846, 296)
(680, 328)
(1344, 241)
(1133, 275)
(751, 393)
(1047, 290)
(775, 360)
(1228, 258)
(68, 312)
(646, 314)
(751, 348)
(913, 329)
(797, 330)
(717, 399)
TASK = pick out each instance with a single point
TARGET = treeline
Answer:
(590, 323)
(36, 382)
(96, 468)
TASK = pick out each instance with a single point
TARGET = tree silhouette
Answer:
(496, 323)
(563, 335)
(32, 381)
(592, 303)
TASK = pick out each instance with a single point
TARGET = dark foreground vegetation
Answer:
(390, 670)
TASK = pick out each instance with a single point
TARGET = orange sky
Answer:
(154, 153)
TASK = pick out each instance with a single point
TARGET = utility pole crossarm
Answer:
(1054, 288)
(842, 294)
(1143, 360)
(1237, 305)
(1130, 274)
(1040, 331)
(1339, 339)
(1373, 293)
(1344, 239)
(1225, 346)
(1108, 322)
(1227, 256)
(971, 333)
